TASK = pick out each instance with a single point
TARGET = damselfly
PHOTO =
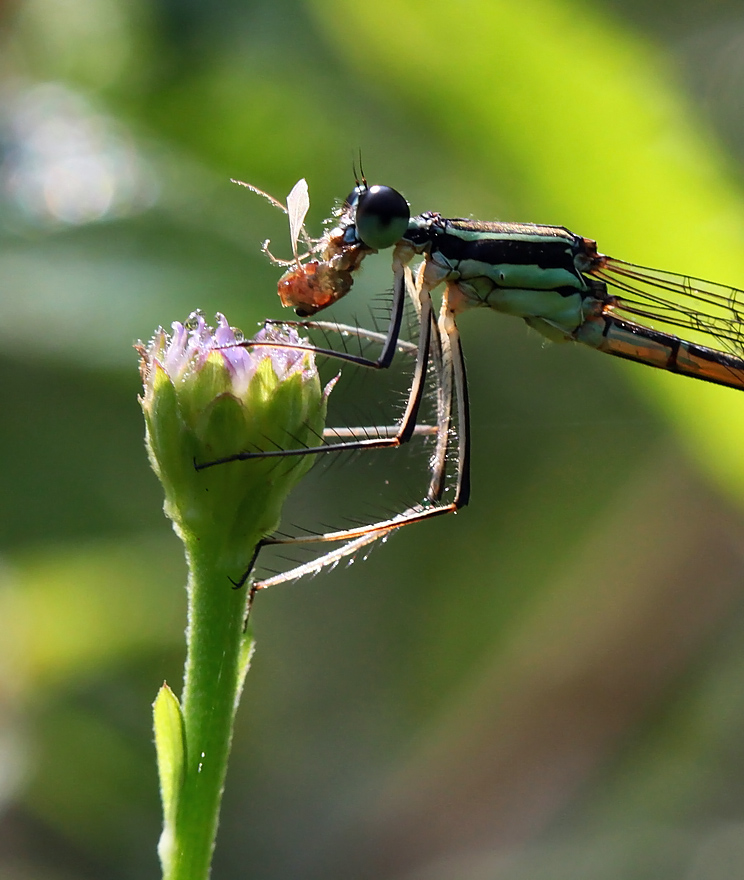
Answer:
(553, 279)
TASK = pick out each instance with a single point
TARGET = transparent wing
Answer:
(712, 313)
(298, 204)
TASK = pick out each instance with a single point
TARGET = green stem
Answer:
(218, 652)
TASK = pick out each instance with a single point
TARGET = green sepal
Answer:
(223, 426)
(206, 382)
(162, 416)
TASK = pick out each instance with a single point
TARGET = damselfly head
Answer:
(380, 214)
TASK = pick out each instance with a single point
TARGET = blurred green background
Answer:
(550, 684)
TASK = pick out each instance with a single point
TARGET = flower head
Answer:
(207, 396)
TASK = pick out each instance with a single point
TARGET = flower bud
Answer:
(206, 398)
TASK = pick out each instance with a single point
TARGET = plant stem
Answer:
(218, 653)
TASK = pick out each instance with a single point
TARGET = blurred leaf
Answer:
(75, 611)
(103, 786)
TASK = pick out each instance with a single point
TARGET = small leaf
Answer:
(169, 745)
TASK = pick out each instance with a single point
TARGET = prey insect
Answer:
(553, 279)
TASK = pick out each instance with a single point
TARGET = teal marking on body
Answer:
(565, 311)
(530, 277)
(472, 230)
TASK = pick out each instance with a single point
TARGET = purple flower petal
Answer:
(189, 345)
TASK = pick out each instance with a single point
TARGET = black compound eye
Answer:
(350, 202)
(382, 216)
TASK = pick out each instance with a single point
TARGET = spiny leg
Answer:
(449, 331)
(357, 538)
(361, 333)
(451, 359)
(344, 329)
(407, 426)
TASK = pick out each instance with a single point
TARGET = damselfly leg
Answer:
(390, 343)
(449, 369)
(439, 358)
